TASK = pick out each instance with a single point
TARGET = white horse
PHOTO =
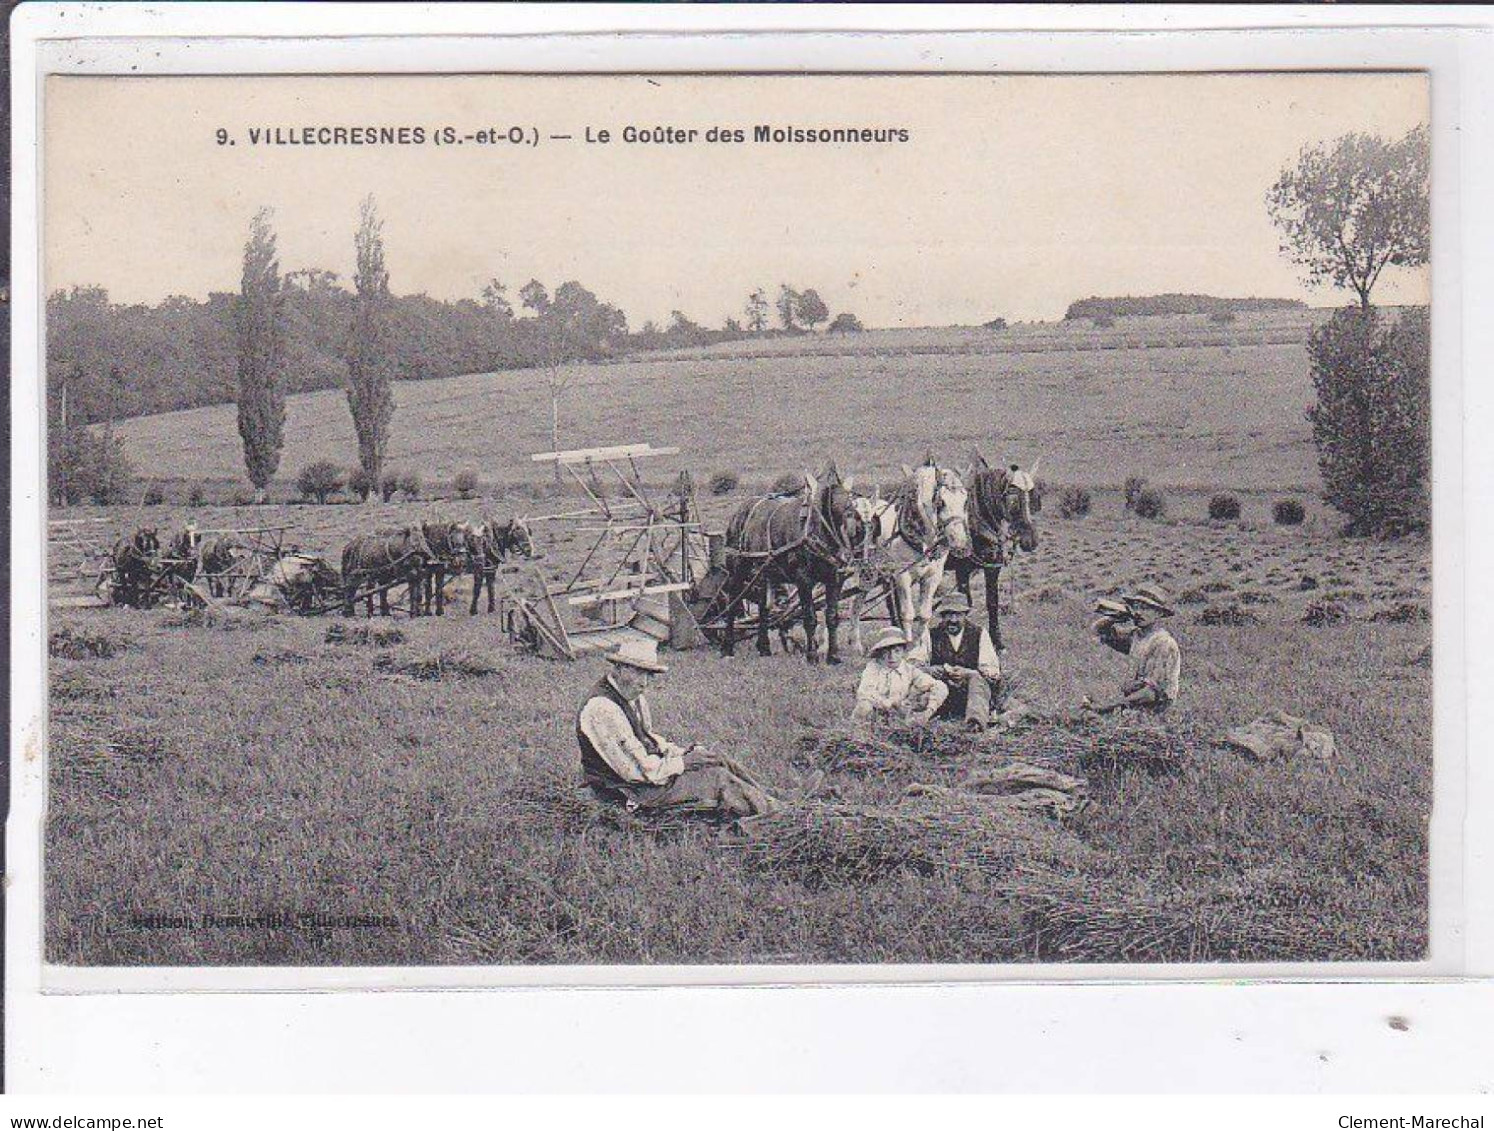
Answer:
(909, 537)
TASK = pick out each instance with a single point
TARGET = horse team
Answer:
(420, 557)
(824, 534)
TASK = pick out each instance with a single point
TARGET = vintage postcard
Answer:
(746, 521)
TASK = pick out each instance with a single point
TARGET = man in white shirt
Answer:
(624, 760)
(891, 687)
(959, 653)
(1156, 660)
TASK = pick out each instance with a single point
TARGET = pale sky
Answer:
(1014, 196)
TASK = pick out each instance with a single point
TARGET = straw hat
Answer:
(635, 652)
(1152, 596)
(889, 637)
(955, 602)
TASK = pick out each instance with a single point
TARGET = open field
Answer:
(252, 766)
(1178, 399)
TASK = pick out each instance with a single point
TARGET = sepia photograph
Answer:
(654, 520)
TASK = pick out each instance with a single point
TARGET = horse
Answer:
(384, 559)
(134, 560)
(910, 535)
(493, 542)
(451, 544)
(184, 554)
(803, 539)
(219, 556)
(1000, 501)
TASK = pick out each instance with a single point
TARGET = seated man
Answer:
(1156, 661)
(893, 688)
(624, 760)
(958, 652)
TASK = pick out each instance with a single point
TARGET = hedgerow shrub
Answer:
(1288, 512)
(723, 482)
(465, 483)
(319, 480)
(410, 484)
(1134, 486)
(1150, 503)
(388, 485)
(154, 496)
(197, 496)
(361, 483)
(1224, 508)
(1074, 502)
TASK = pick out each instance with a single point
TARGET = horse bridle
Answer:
(940, 540)
(842, 549)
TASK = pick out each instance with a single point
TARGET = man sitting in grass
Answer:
(1156, 660)
(891, 686)
(958, 652)
(624, 760)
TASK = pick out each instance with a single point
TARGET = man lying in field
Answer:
(891, 686)
(625, 761)
(1135, 629)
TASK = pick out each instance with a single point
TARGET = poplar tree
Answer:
(370, 358)
(260, 317)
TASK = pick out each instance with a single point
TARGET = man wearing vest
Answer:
(625, 761)
(959, 652)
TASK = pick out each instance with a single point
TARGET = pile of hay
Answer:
(362, 634)
(927, 832)
(85, 645)
(1073, 918)
(447, 664)
(897, 749)
(1227, 616)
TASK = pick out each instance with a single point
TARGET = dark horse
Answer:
(219, 556)
(384, 559)
(451, 547)
(493, 542)
(1001, 505)
(135, 568)
(803, 539)
(184, 555)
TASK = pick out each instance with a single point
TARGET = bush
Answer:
(1074, 502)
(995, 324)
(1134, 486)
(725, 482)
(1102, 322)
(197, 496)
(1222, 317)
(846, 324)
(410, 484)
(1372, 419)
(361, 483)
(1224, 508)
(1039, 489)
(388, 486)
(1150, 503)
(319, 480)
(154, 496)
(465, 483)
(1288, 512)
(83, 465)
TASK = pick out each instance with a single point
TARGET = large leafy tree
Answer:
(370, 359)
(1350, 208)
(260, 320)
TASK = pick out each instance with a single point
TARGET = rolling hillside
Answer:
(1179, 400)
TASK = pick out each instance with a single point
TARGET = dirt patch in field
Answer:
(83, 644)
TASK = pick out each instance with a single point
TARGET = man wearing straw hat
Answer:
(891, 686)
(959, 653)
(625, 761)
(1156, 661)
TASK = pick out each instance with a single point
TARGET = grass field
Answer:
(1179, 400)
(254, 767)
(425, 777)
